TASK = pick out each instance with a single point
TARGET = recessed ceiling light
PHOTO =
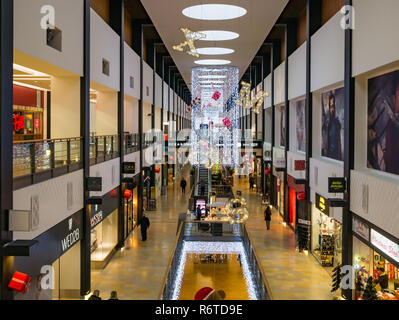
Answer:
(214, 51)
(219, 35)
(212, 62)
(211, 82)
(214, 12)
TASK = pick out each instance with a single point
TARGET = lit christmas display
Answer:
(190, 38)
(245, 100)
(215, 134)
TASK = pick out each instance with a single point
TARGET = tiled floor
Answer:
(138, 271)
(291, 275)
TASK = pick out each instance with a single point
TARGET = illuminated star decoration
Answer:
(245, 101)
(190, 38)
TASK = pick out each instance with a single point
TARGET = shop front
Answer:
(104, 229)
(54, 264)
(296, 199)
(129, 205)
(28, 113)
(375, 256)
(326, 242)
(279, 191)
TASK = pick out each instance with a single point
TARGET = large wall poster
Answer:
(300, 125)
(383, 123)
(332, 117)
(282, 126)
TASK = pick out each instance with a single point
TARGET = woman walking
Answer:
(268, 216)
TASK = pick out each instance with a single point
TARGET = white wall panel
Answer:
(375, 38)
(278, 153)
(291, 158)
(104, 44)
(165, 96)
(279, 84)
(109, 171)
(383, 201)
(328, 55)
(132, 69)
(147, 83)
(53, 204)
(30, 39)
(297, 73)
(158, 91)
(268, 88)
(319, 173)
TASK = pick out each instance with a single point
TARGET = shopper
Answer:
(382, 279)
(114, 296)
(95, 295)
(145, 224)
(183, 184)
(199, 213)
(268, 216)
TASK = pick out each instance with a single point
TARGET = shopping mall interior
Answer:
(199, 150)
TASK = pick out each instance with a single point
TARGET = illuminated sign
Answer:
(390, 248)
(336, 185)
(361, 229)
(322, 204)
(300, 165)
(129, 167)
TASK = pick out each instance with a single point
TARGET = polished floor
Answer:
(220, 274)
(138, 271)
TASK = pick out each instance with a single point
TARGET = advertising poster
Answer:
(300, 125)
(332, 117)
(282, 126)
(383, 123)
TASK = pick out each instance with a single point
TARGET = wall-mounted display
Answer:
(282, 126)
(383, 123)
(300, 125)
(332, 128)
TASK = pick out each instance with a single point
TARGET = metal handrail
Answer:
(46, 140)
(178, 238)
(264, 279)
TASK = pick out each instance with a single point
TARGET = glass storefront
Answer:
(326, 239)
(104, 237)
(280, 196)
(130, 212)
(369, 263)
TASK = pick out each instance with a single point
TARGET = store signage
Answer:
(72, 237)
(280, 162)
(336, 185)
(96, 219)
(94, 183)
(390, 248)
(302, 221)
(322, 204)
(129, 167)
(361, 229)
(251, 145)
(300, 165)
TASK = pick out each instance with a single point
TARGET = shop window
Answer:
(369, 263)
(105, 67)
(104, 238)
(54, 38)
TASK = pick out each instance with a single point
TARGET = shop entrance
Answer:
(292, 208)
(67, 275)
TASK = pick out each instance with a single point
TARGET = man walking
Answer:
(145, 224)
(183, 184)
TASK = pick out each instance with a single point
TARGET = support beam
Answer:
(85, 257)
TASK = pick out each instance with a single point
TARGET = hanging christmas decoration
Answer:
(227, 122)
(245, 100)
(216, 95)
(190, 38)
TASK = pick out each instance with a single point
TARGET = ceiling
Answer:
(253, 29)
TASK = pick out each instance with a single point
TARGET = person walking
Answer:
(95, 295)
(268, 216)
(145, 224)
(183, 184)
(199, 213)
(114, 296)
(202, 187)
